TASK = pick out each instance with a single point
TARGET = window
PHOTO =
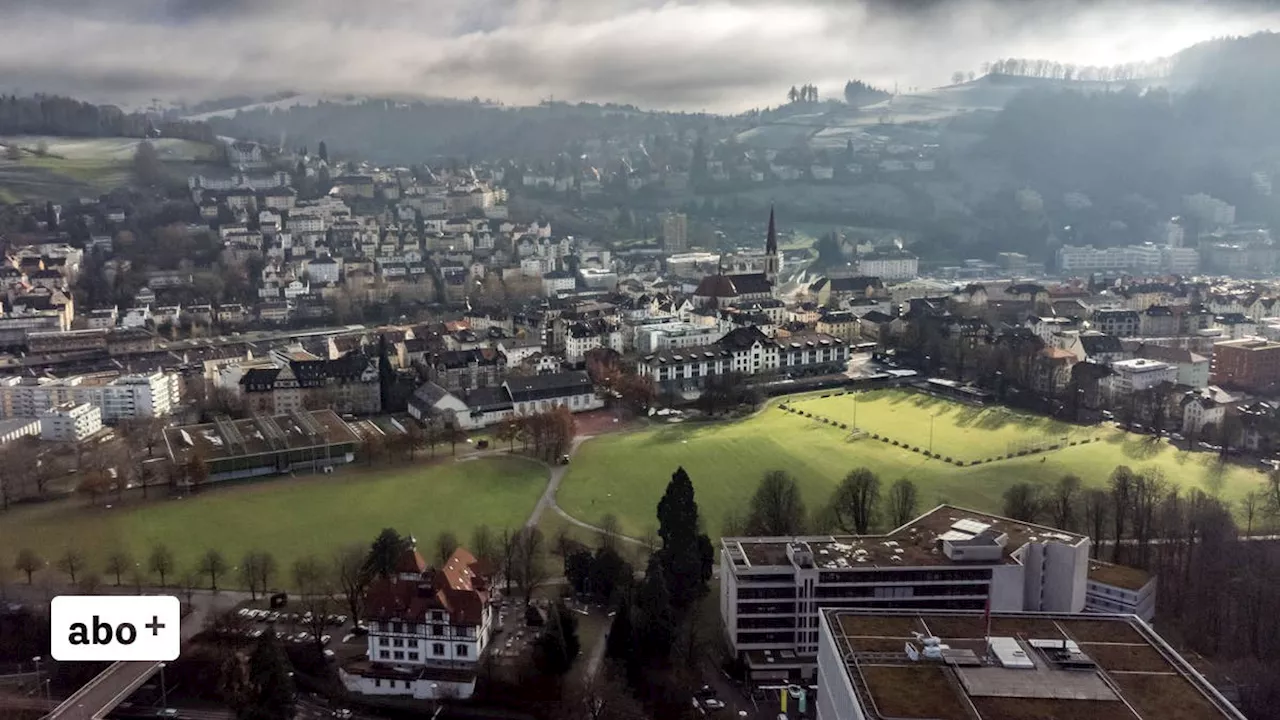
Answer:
(383, 654)
(382, 642)
(413, 643)
(437, 630)
(437, 649)
(462, 650)
(413, 656)
(397, 627)
(399, 655)
(398, 642)
(377, 682)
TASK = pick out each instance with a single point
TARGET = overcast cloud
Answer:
(721, 55)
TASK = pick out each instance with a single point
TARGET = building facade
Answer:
(1251, 364)
(428, 629)
(70, 422)
(771, 589)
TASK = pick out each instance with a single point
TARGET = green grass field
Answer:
(957, 430)
(290, 517)
(627, 473)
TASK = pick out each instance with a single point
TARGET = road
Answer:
(548, 500)
(102, 694)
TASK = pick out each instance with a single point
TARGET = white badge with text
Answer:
(115, 627)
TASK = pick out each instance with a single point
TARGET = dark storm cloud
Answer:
(690, 54)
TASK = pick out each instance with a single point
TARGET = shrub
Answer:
(843, 426)
(948, 459)
(895, 442)
(915, 448)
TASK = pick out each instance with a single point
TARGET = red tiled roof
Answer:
(457, 589)
(411, 561)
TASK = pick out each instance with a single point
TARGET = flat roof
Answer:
(258, 435)
(1121, 576)
(914, 544)
(1050, 665)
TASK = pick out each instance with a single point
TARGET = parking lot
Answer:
(341, 638)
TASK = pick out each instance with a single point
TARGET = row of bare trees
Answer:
(1041, 68)
(857, 506)
(547, 434)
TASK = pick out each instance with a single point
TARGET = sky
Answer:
(714, 55)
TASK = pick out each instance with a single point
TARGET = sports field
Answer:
(626, 473)
(954, 429)
(289, 517)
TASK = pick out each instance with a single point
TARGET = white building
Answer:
(121, 397)
(675, 335)
(324, 270)
(558, 281)
(1146, 258)
(1120, 589)
(582, 338)
(70, 422)
(539, 393)
(894, 266)
(772, 588)
(17, 428)
(1136, 375)
(428, 629)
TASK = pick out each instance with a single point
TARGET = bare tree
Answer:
(71, 562)
(118, 563)
(249, 572)
(349, 572)
(528, 551)
(1250, 505)
(610, 531)
(28, 562)
(1097, 512)
(485, 546)
(314, 584)
(1121, 502)
(507, 557)
(1062, 503)
(855, 502)
(903, 501)
(1022, 502)
(213, 565)
(776, 508)
(446, 544)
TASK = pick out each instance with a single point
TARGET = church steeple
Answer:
(771, 240)
(772, 259)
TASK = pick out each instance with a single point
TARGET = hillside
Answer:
(75, 167)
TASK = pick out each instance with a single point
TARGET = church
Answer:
(721, 290)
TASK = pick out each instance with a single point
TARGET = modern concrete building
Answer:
(18, 428)
(1120, 589)
(70, 422)
(950, 558)
(1136, 375)
(675, 232)
(265, 444)
(119, 397)
(881, 664)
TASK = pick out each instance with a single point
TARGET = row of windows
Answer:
(760, 623)
(437, 650)
(907, 576)
(900, 591)
(766, 593)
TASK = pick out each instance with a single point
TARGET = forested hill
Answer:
(399, 132)
(1148, 146)
(54, 115)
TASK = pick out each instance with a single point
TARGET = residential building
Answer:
(1251, 364)
(889, 266)
(540, 393)
(773, 588)
(744, 351)
(470, 409)
(1136, 375)
(1011, 666)
(829, 292)
(428, 629)
(838, 324)
(675, 335)
(70, 422)
(1205, 406)
(1193, 369)
(675, 232)
(581, 338)
(301, 381)
(558, 281)
(1082, 259)
(458, 370)
(1048, 327)
(117, 397)
(18, 428)
(1117, 322)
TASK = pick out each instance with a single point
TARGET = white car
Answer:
(713, 704)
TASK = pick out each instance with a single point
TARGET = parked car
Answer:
(324, 639)
(713, 704)
(272, 617)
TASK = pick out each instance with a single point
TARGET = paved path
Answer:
(548, 500)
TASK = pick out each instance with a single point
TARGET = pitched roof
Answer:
(751, 284)
(551, 385)
(716, 286)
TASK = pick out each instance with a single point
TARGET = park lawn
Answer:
(292, 517)
(959, 430)
(626, 473)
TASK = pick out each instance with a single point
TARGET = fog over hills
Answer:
(721, 55)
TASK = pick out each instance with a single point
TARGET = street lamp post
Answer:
(164, 689)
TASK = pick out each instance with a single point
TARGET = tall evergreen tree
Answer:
(558, 645)
(686, 555)
(657, 626)
(323, 151)
(270, 694)
(384, 553)
(386, 375)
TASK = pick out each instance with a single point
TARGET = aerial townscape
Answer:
(954, 400)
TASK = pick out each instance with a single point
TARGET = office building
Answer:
(772, 588)
(881, 664)
(70, 422)
(675, 232)
(1251, 364)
